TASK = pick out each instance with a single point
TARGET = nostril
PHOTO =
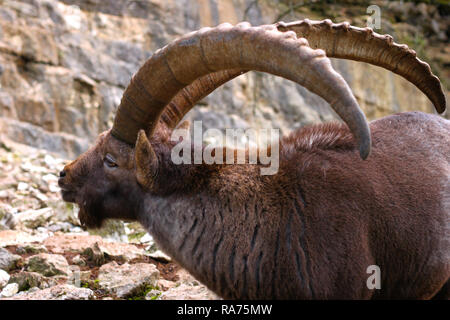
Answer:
(62, 174)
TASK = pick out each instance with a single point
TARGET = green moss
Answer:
(91, 284)
(144, 291)
(135, 236)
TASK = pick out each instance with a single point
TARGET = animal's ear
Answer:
(186, 124)
(146, 161)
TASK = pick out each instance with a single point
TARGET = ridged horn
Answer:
(225, 47)
(339, 40)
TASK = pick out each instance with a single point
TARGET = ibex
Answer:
(346, 196)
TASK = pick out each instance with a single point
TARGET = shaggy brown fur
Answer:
(308, 232)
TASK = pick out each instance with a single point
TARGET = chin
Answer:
(68, 196)
(88, 220)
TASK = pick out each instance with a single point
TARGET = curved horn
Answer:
(339, 41)
(223, 48)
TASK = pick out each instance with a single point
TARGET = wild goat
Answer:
(311, 230)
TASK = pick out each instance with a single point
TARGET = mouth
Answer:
(67, 194)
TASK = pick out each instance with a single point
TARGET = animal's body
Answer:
(312, 230)
(346, 197)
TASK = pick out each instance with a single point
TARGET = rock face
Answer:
(64, 65)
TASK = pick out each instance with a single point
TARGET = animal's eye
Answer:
(110, 161)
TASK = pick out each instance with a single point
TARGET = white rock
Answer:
(4, 194)
(4, 278)
(22, 186)
(40, 196)
(14, 237)
(146, 238)
(77, 230)
(54, 188)
(58, 292)
(35, 218)
(126, 280)
(10, 290)
(187, 292)
(159, 255)
(50, 178)
(49, 161)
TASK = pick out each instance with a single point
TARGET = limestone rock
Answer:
(8, 261)
(125, 280)
(27, 280)
(9, 290)
(7, 218)
(31, 248)
(159, 255)
(70, 242)
(95, 254)
(4, 278)
(64, 66)
(48, 264)
(79, 243)
(188, 292)
(13, 237)
(58, 292)
(35, 218)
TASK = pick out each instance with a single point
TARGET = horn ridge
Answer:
(398, 58)
(243, 47)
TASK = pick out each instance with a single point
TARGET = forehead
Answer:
(107, 143)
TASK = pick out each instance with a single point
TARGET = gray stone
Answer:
(8, 261)
(27, 280)
(4, 278)
(125, 280)
(188, 292)
(95, 254)
(9, 290)
(7, 218)
(60, 226)
(35, 218)
(58, 292)
(48, 264)
(31, 248)
(78, 261)
(159, 255)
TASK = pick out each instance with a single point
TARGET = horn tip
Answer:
(441, 106)
(365, 148)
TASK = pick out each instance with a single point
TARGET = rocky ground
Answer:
(45, 254)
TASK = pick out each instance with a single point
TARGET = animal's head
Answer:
(102, 181)
(111, 178)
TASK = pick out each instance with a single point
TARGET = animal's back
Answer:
(419, 146)
(415, 134)
(391, 210)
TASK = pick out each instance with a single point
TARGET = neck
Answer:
(199, 230)
(226, 233)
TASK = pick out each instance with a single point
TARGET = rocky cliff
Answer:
(64, 64)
